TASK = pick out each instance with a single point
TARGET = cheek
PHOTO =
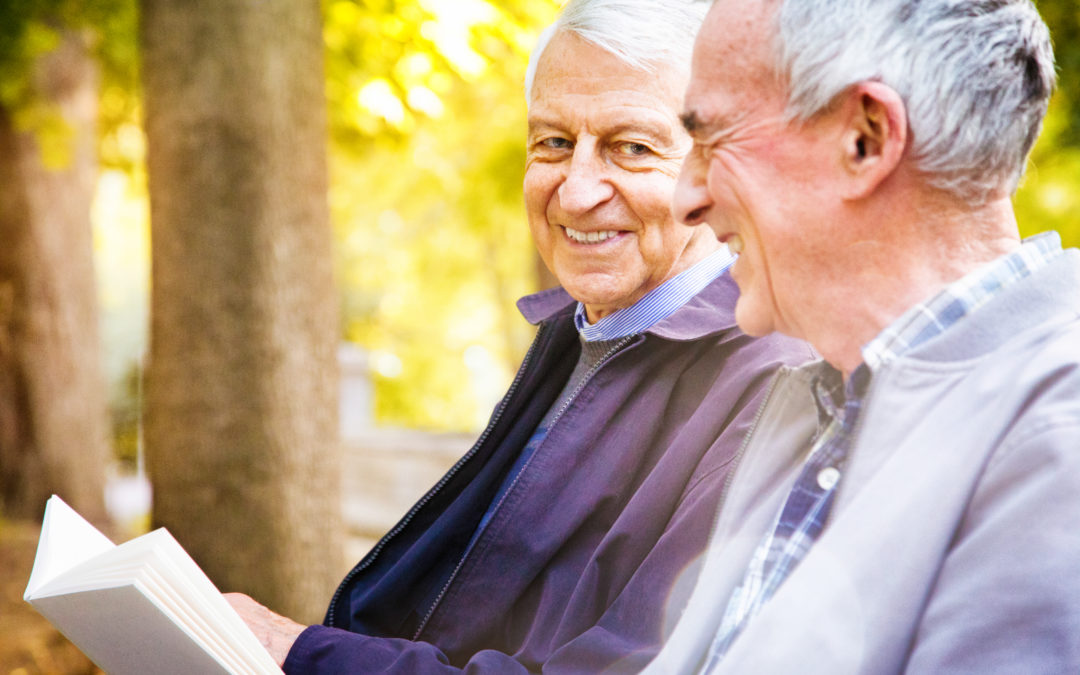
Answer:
(649, 197)
(724, 185)
(539, 185)
(537, 190)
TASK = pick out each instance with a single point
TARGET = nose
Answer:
(586, 184)
(691, 202)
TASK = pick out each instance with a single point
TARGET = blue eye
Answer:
(557, 143)
(636, 149)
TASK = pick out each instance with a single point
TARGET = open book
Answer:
(141, 607)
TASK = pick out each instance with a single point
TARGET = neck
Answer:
(904, 259)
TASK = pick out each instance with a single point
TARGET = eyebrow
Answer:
(698, 128)
(657, 131)
(652, 129)
(690, 122)
(707, 130)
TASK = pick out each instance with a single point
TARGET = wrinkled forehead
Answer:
(734, 55)
(737, 33)
(573, 71)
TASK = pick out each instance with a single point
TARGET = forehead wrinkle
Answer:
(652, 128)
(639, 117)
(536, 123)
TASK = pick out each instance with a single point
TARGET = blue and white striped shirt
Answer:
(658, 304)
(806, 510)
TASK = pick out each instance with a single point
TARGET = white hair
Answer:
(643, 33)
(975, 75)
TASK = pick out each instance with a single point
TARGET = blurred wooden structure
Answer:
(386, 471)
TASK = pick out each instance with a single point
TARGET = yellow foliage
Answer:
(426, 169)
(1049, 197)
(427, 131)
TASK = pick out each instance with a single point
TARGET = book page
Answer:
(113, 601)
(124, 633)
(67, 540)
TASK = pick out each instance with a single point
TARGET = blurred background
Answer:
(324, 316)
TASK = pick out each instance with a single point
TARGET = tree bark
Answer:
(54, 432)
(241, 429)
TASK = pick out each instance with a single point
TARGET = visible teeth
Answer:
(589, 237)
(734, 244)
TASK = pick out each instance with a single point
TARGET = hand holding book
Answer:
(276, 633)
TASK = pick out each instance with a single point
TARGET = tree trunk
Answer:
(54, 432)
(241, 430)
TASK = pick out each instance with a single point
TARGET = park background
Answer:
(338, 242)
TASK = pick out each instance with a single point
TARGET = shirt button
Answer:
(828, 477)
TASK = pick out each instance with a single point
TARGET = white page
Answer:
(180, 585)
(124, 633)
(66, 540)
(170, 600)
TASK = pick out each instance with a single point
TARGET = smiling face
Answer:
(763, 184)
(603, 154)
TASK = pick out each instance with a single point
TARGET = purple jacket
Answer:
(577, 570)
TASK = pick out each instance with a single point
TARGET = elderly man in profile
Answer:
(558, 541)
(912, 502)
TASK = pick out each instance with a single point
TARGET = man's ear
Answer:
(874, 137)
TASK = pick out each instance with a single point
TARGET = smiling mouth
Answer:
(589, 237)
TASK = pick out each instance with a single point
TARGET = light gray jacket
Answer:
(954, 544)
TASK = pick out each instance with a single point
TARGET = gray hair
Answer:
(975, 75)
(643, 33)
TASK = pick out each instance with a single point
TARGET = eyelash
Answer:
(557, 143)
(623, 148)
(644, 148)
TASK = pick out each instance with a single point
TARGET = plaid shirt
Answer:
(804, 514)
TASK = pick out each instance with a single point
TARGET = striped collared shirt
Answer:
(658, 304)
(806, 510)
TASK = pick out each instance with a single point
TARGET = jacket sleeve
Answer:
(331, 650)
(1007, 599)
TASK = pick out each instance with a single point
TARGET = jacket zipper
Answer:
(573, 395)
(370, 558)
(864, 407)
(749, 435)
(737, 461)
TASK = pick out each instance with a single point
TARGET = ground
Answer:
(29, 645)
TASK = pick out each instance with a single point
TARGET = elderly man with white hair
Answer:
(559, 541)
(912, 502)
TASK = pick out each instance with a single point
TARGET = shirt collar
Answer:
(944, 310)
(838, 400)
(657, 304)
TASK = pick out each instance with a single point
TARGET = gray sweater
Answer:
(954, 545)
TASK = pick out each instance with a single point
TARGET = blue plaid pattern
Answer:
(804, 514)
(659, 303)
(959, 299)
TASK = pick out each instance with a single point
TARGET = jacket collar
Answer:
(1052, 293)
(709, 312)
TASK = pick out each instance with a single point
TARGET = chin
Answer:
(594, 291)
(752, 322)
